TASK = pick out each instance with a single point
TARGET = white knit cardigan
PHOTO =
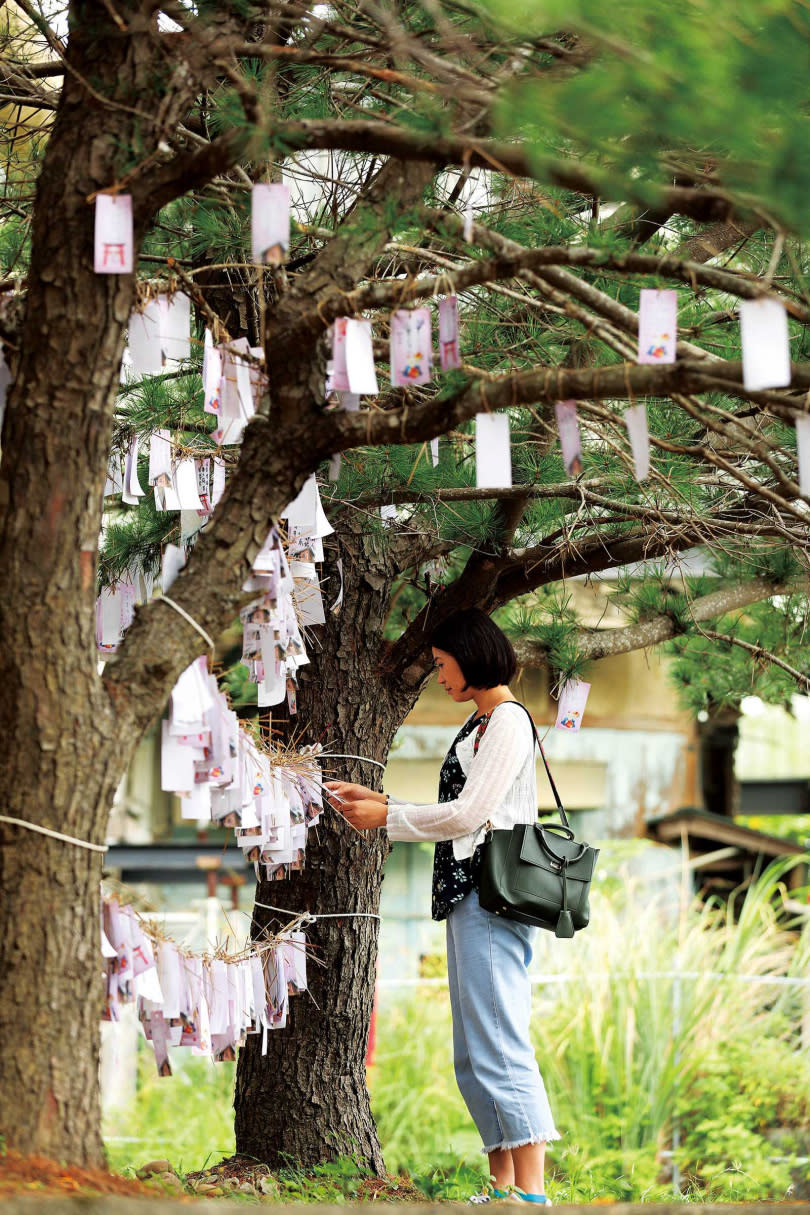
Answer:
(501, 787)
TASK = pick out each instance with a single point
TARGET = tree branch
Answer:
(407, 424)
(594, 644)
(758, 652)
(385, 139)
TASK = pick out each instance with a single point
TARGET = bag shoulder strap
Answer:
(557, 799)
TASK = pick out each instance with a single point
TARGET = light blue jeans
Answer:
(490, 997)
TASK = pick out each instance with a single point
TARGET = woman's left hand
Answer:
(364, 814)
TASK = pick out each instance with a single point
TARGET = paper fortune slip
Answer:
(449, 356)
(270, 223)
(571, 707)
(175, 326)
(570, 441)
(360, 373)
(657, 326)
(411, 347)
(803, 452)
(114, 238)
(765, 344)
(493, 451)
(340, 376)
(145, 348)
(635, 418)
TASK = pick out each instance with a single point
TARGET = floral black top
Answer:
(453, 879)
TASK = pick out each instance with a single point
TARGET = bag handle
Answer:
(561, 811)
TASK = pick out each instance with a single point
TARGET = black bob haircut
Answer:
(480, 648)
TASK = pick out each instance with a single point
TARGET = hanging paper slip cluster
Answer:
(209, 1003)
(234, 382)
(219, 772)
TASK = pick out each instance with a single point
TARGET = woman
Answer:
(488, 777)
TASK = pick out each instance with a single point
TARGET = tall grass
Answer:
(657, 1030)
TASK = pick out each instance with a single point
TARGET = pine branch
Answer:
(593, 644)
(761, 654)
(386, 139)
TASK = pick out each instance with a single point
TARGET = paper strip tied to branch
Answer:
(657, 326)
(270, 223)
(411, 347)
(114, 240)
(570, 441)
(493, 451)
(765, 344)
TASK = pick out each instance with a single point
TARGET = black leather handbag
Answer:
(537, 873)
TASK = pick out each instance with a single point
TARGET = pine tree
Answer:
(394, 123)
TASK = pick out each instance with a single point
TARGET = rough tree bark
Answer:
(62, 762)
(348, 702)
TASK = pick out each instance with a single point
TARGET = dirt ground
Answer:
(37, 1175)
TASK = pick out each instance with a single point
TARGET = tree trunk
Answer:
(64, 750)
(307, 1099)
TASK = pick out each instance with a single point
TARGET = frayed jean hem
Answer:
(507, 1145)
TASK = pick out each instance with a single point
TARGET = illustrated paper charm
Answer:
(411, 347)
(657, 326)
(493, 452)
(570, 440)
(571, 707)
(765, 344)
(449, 356)
(270, 223)
(635, 418)
(360, 373)
(803, 452)
(114, 238)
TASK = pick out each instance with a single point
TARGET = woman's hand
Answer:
(345, 792)
(365, 813)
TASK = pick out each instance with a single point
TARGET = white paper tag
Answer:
(360, 373)
(114, 241)
(635, 418)
(570, 440)
(340, 375)
(449, 355)
(571, 707)
(411, 346)
(765, 344)
(146, 351)
(174, 558)
(493, 453)
(434, 452)
(270, 223)
(175, 326)
(803, 452)
(657, 326)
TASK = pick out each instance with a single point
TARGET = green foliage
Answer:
(686, 85)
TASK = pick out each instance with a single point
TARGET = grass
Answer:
(650, 1037)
